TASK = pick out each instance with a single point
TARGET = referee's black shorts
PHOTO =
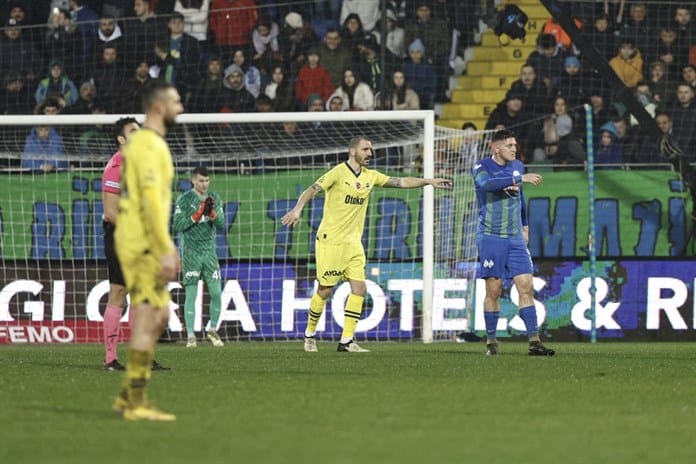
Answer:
(115, 274)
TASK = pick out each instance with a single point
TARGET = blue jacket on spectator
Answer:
(421, 76)
(611, 153)
(39, 151)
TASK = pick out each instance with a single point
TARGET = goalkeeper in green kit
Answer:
(197, 215)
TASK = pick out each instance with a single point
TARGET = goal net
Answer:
(419, 242)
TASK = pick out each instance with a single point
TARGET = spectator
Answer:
(686, 36)
(533, 92)
(628, 137)
(334, 56)
(109, 76)
(509, 114)
(164, 67)
(649, 151)
(231, 22)
(547, 60)
(636, 28)
(395, 43)
(434, 33)
(312, 78)
(88, 97)
(335, 103)
(131, 94)
(356, 95)
(367, 10)
(295, 40)
(207, 97)
(369, 67)
(44, 151)
(94, 142)
(400, 96)
(552, 27)
(17, 53)
(56, 85)
(420, 74)
(353, 34)
(667, 52)
(109, 33)
(15, 97)
(608, 150)
(602, 36)
(662, 88)
(236, 98)
(142, 32)
(87, 20)
(186, 54)
(252, 76)
(196, 18)
(559, 143)
(600, 109)
(280, 91)
(683, 113)
(315, 103)
(628, 63)
(572, 84)
(470, 148)
(265, 41)
(689, 75)
(64, 42)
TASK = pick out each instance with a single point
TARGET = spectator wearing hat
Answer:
(15, 97)
(56, 85)
(87, 99)
(573, 83)
(335, 103)
(608, 149)
(295, 39)
(312, 78)
(196, 19)
(628, 63)
(420, 74)
(334, 56)
(231, 22)
(434, 33)
(17, 53)
(236, 97)
(315, 103)
(252, 76)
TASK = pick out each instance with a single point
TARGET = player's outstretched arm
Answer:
(415, 182)
(292, 217)
(531, 178)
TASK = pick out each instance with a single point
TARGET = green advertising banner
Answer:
(639, 213)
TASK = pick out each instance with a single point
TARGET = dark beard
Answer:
(169, 122)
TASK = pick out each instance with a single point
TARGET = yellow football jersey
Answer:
(144, 207)
(345, 206)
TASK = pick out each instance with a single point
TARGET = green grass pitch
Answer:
(402, 403)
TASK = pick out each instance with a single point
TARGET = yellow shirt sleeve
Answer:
(327, 180)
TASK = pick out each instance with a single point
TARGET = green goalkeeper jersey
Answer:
(197, 237)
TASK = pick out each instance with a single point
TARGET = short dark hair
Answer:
(152, 91)
(469, 125)
(355, 141)
(503, 134)
(662, 113)
(121, 124)
(200, 171)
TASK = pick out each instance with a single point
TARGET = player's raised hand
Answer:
(170, 266)
(195, 217)
(291, 218)
(441, 183)
(531, 178)
(212, 214)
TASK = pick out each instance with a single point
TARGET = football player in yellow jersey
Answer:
(144, 247)
(339, 250)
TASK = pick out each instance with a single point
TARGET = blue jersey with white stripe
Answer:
(502, 211)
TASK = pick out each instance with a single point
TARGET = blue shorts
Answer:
(503, 258)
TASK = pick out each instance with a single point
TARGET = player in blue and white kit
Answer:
(502, 237)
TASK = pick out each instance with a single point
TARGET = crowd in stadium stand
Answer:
(652, 49)
(90, 57)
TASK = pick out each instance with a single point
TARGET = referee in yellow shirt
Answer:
(145, 249)
(339, 250)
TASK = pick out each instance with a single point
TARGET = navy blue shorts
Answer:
(503, 258)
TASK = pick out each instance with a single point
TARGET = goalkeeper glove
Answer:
(212, 214)
(209, 203)
(200, 212)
